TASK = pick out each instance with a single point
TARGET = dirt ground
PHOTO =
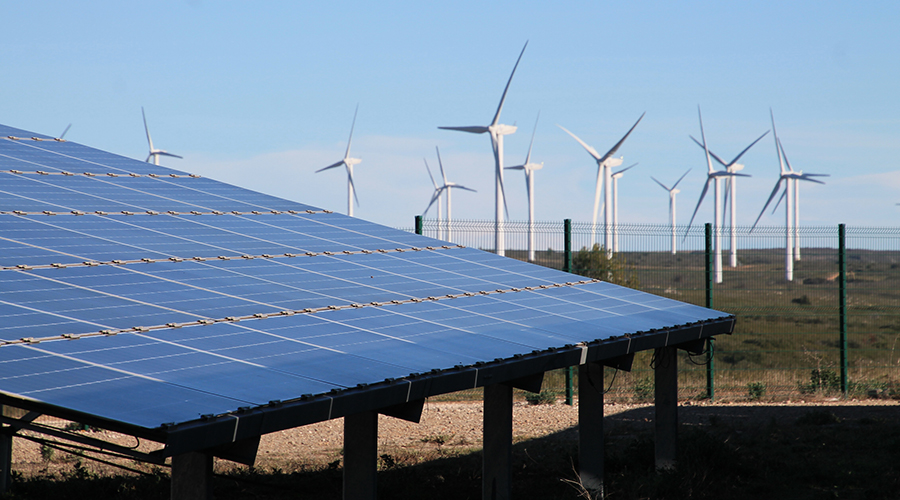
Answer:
(451, 428)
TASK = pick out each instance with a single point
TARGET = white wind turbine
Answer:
(672, 192)
(436, 195)
(497, 131)
(529, 169)
(615, 204)
(154, 153)
(791, 209)
(713, 176)
(348, 162)
(446, 187)
(731, 191)
(605, 164)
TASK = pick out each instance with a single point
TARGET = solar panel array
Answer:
(148, 296)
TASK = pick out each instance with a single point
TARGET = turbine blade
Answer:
(816, 175)
(63, 135)
(147, 129)
(434, 197)
(624, 169)
(429, 175)
(780, 146)
(338, 164)
(805, 178)
(699, 202)
(777, 142)
(350, 140)
(530, 144)
(503, 192)
(705, 147)
(660, 183)
(619, 144)
(679, 179)
(505, 90)
(738, 157)
(517, 167)
(761, 212)
(166, 153)
(721, 162)
(783, 194)
(593, 152)
(350, 180)
(461, 187)
(441, 163)
(471, 130)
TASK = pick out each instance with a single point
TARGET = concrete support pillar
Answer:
(666, 396)
(361, 456)
(497, 466)
(590, 428)
(192, 475)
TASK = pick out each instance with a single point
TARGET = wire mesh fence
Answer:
(786, 290)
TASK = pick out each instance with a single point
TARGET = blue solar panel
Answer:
(152, 296)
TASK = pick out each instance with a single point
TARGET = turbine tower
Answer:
(791, 180)
(713, 176)
(154, 153)
(615, 204)
(731, 191)
(497, 131)
(605, 164)
(448, 187)
(348, 162)
(529, 169)
(672, 192)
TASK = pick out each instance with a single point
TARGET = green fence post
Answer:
(567, 268)
(710, 342)
(842, 303)
(419, 224)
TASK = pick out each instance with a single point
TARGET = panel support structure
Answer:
(360, 456)
(666, 397)
(192, 475)
(497, 466)
(590, 428)
(6, 440)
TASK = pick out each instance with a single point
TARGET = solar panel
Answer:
(142, 295)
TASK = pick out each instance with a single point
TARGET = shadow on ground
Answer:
(725, 451)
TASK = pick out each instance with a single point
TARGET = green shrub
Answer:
(756, 390)
(540, 398)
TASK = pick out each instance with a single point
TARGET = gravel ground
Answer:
(456, 427)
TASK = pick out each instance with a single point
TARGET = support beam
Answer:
(497, 466)
(361, 456)
(192, 475)
(666, 396)
(6, 440)
(590, 428)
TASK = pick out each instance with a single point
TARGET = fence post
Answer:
(419, 224)
(842, 303)
(710, 342)
(567, 268)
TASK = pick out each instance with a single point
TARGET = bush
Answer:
(598, 264)
(756, 390)
(540, 398)
(821, 380)
(643, 389)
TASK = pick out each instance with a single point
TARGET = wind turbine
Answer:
(529, 169)
(615, 204)
(154, 153)
(791, 210)
(605, 164)
(731, 190)
(448, 187)
(348, 162)
(672, 192)
(497, 131)
(713, 176)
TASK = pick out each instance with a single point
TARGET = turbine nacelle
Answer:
(613, 162)
(501, 129)
(352, 161)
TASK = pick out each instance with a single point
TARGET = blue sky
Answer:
(262, 95)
